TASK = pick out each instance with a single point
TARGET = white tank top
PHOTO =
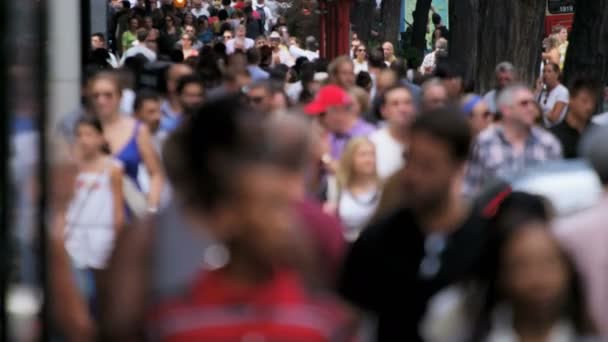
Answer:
(89, 229)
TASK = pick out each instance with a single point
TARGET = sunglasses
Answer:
(361, 50)
(227, 37)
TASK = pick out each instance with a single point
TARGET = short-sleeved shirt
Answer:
(339, 141)
(389, 153)
(548, 99)
(569, 137)
(493, 157)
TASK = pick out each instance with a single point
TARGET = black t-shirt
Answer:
(381, 274)
(569, 137)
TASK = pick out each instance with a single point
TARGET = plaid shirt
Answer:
(493, 157)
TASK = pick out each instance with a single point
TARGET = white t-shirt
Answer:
(359, 66)
(389, 153)
(230, 45)
(548, 99)
(355, 211)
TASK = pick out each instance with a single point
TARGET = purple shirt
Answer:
(338, 141)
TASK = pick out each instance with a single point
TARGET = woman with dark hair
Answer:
(170, 34)
(188, 21)
(552, 95)
(532, 290)
(188, 46)
(130, 36)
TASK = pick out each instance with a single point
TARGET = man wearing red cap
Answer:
(334, 107)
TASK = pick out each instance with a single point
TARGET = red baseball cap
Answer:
(328, 96)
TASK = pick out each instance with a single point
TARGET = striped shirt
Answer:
(279, 310)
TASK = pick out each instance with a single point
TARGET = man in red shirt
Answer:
(236, 189)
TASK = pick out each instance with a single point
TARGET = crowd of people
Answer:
(232, 185)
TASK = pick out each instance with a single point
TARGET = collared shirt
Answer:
(339, 141)
(585, 237)
(170, 119)
(493, 157)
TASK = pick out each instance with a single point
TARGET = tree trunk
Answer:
(499, 31)
(464, 31)
(421, 21)
(362, 17)
(390, 20)
(588, 48)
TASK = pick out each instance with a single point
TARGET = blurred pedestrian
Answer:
(583, 234)
(355, 194)
(342, 72)
(95, 214)
(389, 53)
(360, 59)
(257, 233)
(334, 107)
(391, 141)
(240, 41)
(552, 96)
(400, 262)
(505, 76)
(191, 93)
(130, 36)
(475, 108)
(533, 288)
(171, 108)
(129, 141)
(581, 106)
(508, 148)
(430, 60)
(434, 95)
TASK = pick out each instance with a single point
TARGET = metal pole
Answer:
(43, 200)
(5, 235)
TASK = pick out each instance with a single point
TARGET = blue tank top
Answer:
(130, 156)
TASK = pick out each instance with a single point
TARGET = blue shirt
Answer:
(170, 119)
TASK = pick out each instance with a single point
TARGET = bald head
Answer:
(389, 51)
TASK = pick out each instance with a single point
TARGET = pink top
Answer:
(585, 237)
